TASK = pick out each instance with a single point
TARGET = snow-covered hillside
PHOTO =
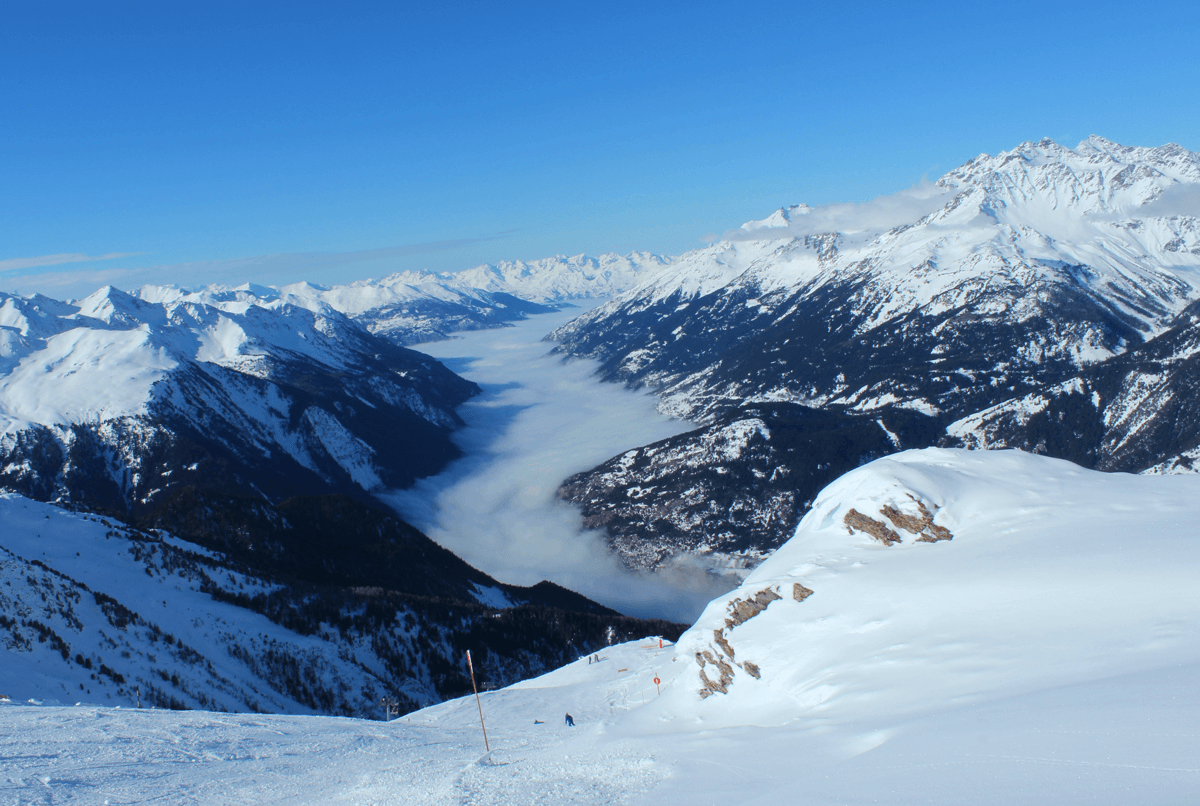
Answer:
(939, 576)
(93, 611)
(1037, 645)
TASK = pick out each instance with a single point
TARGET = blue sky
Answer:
(224, 142)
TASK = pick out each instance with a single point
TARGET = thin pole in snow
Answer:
(478, 704)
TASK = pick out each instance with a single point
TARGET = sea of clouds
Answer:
(540, 419)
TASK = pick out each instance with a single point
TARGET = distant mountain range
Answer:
(411, 307)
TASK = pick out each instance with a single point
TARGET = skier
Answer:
(570, 721)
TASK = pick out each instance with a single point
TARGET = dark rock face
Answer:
(737, 487)
(1139, 411)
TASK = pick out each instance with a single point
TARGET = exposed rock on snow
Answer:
(857, 522)
(1008, 606)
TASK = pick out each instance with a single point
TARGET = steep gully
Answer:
(539, 420)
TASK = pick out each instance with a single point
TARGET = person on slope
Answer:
(570, 721)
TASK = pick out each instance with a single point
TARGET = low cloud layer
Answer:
(879, 214)
(23, 275)
(539, 421)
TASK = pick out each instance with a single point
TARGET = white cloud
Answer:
(1175, 200)
(23, 263)
(877, 215)
(24, 278)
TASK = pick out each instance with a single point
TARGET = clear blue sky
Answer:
(456, 133)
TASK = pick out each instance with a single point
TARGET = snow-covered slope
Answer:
(937, 577)
(1042, 652)
(93, 611)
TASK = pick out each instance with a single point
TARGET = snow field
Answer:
(435, 756)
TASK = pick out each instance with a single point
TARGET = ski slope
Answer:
(1043, 652)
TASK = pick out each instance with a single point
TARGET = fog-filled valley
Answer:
(540, 419)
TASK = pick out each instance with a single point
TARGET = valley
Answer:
(538, 420)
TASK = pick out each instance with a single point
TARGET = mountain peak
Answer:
(113, 306)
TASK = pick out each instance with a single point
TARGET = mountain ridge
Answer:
(1013, 275)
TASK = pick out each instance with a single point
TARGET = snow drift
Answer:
(936, 578)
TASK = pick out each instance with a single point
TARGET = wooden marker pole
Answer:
(478, 704)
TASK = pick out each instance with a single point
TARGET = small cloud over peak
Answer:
(875, 215)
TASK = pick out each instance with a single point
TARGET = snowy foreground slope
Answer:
(1037, 645)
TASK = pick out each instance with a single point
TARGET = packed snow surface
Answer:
(1037, 646)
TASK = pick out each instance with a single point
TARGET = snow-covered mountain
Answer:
(237, 420)
(116, 402)
(413, 307)
(93, 611)
(944, 627)
(410, 308)
(562, 278)
(1039, 256)
(1015, 274)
